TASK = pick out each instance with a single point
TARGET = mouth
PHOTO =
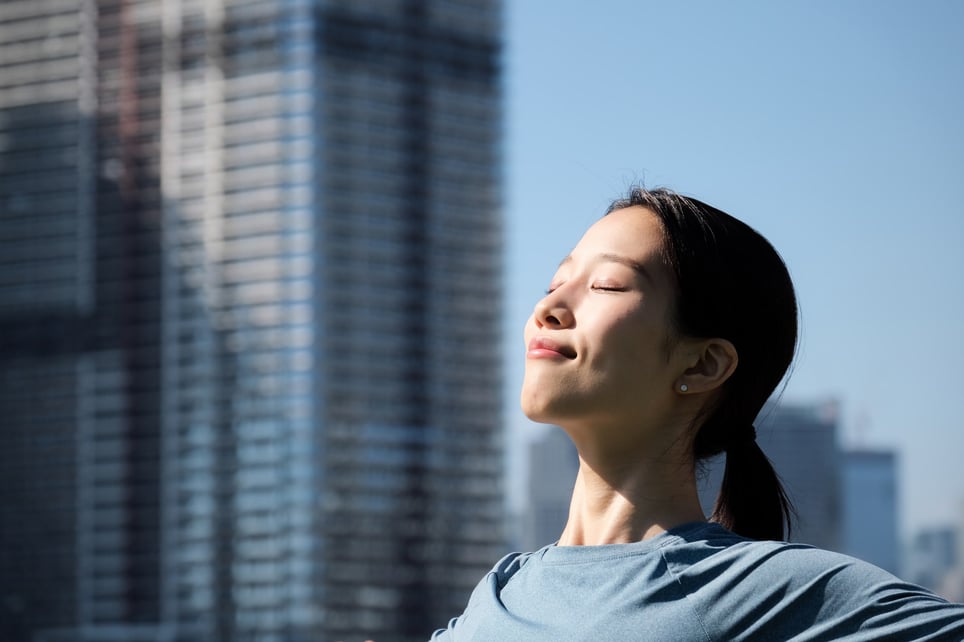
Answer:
(546, 348)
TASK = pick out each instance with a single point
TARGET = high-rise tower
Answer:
(249, 317)
(869, 479)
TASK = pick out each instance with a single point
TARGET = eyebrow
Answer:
(636, 266)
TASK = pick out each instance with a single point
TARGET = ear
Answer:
(713, 362)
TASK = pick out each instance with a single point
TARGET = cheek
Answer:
(631, 345)
(616, 334)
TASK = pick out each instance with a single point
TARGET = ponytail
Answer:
(752, 501)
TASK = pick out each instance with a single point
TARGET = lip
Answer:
(542, 348)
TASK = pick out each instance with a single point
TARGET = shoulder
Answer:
(725, 552)
(491, 585)
(484, 602)
(749, 589)
(509, 565)
(719, 552)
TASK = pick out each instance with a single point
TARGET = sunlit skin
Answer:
(604, 363)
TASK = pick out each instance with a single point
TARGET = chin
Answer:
(551, 397)
(541, 407)
(533, 406)
(539, 417)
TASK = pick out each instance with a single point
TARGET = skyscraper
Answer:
(869, 481)
(249, 314)
(932, 556)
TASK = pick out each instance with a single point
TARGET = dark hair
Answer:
(731, 284)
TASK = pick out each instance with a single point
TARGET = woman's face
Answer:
(599, 348)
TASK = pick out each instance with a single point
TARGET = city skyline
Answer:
(245, 244)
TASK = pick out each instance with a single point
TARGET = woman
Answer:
(660, 338)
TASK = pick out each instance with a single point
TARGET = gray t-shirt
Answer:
(698, 582)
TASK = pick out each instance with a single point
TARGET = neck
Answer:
(619, 504)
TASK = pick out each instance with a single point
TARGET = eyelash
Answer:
(601, 288)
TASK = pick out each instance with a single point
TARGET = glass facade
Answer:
(249, 307)
(869, 480)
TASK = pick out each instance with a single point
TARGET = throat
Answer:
(631, 510)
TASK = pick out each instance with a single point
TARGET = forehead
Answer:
(634, 232)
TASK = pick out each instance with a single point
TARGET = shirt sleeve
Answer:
(442, 635)
(774, 591)
(460, 629)
(868, 603)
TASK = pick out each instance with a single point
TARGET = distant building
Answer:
(801, 441)
(932, 556)
(953, 586)
(553, 463)
(870, 507)
(250, 293)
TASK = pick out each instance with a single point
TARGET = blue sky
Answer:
(836, 129)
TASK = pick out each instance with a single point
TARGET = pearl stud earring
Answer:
(683, 387)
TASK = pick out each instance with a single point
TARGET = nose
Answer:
(552, 312)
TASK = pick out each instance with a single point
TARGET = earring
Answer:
(683, 387)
